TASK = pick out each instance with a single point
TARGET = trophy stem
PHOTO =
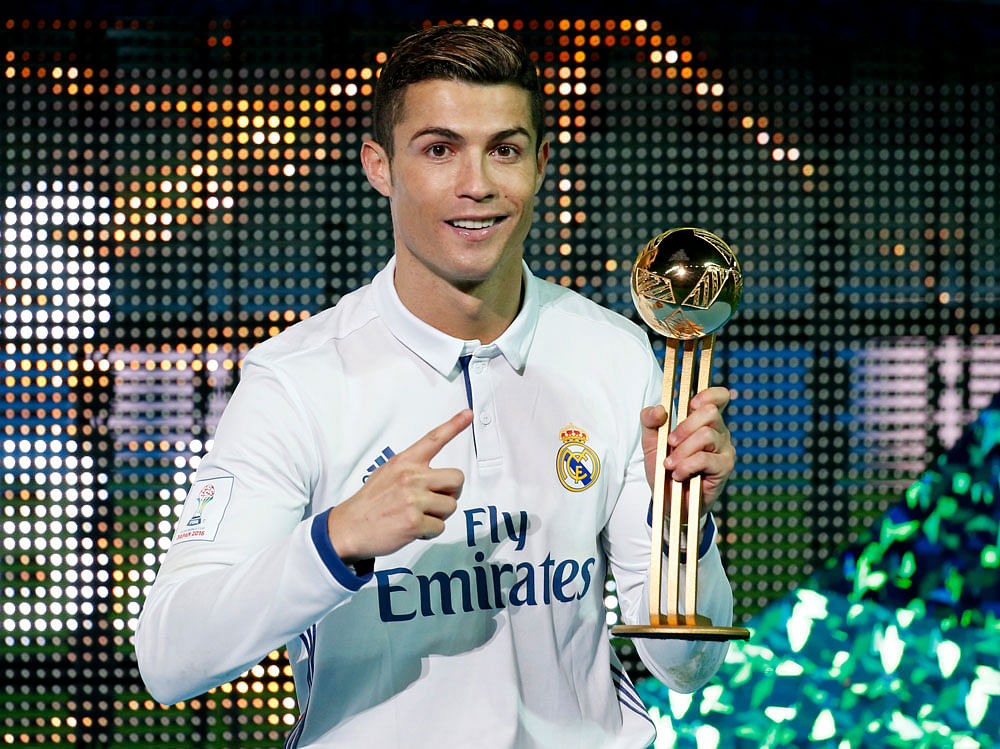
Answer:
(659, 491)
(678, 489)
(694, 490)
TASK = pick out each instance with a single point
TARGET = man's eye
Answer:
(506, 152)
(438, 150)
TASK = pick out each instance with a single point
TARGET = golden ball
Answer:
(686, 283)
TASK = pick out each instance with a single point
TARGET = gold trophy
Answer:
(686, 284)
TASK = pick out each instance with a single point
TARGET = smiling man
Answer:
(461, 175)
(421, 490)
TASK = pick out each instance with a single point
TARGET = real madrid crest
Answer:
(577, 466)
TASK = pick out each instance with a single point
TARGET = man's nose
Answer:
(475, 180)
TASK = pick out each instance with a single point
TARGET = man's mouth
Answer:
(469, 223)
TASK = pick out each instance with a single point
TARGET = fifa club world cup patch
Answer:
(577, 466)
(203, 510)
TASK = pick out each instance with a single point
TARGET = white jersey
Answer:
(491, 635)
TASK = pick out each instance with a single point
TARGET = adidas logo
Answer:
(379, 461)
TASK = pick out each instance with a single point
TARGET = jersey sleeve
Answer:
(245, 573)
(682, 665)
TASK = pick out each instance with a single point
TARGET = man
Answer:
(439, 581)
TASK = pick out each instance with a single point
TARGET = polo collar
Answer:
(441, 350)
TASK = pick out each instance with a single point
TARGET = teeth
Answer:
(471, 224)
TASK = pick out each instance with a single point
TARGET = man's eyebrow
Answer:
(510, 133)
(441, 132)
(451, 135)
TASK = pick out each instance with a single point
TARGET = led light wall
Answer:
(176, 190)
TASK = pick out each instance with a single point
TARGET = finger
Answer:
(430, 527)
(707, 465)
(706, 439)
(707, 415)
(653, 417)
(445, 481)
(440, 506)
(716, 396)
(425, 448)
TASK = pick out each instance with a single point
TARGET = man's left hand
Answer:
(699, 445)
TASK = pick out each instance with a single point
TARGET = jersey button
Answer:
(485, 419)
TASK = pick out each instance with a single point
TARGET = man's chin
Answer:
(468, 277)
(474, 273)
(470, 282)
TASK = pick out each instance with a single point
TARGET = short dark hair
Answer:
(474, 54)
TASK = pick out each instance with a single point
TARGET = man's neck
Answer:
(479, 311)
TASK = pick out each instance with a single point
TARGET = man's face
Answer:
(462, 180)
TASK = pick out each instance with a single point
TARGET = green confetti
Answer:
(897, 645)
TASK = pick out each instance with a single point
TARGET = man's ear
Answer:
(541, 160)
(375, 161)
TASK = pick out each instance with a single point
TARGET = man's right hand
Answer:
(403, 500)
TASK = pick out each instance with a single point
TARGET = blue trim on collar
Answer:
(464, 361)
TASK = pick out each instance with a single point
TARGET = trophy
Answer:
(686, 284)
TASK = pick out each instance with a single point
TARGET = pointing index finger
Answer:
(425, 448)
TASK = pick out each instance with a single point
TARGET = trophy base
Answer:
(681, 631)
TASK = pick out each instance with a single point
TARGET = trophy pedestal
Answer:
(680, 632)
(700, 629)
